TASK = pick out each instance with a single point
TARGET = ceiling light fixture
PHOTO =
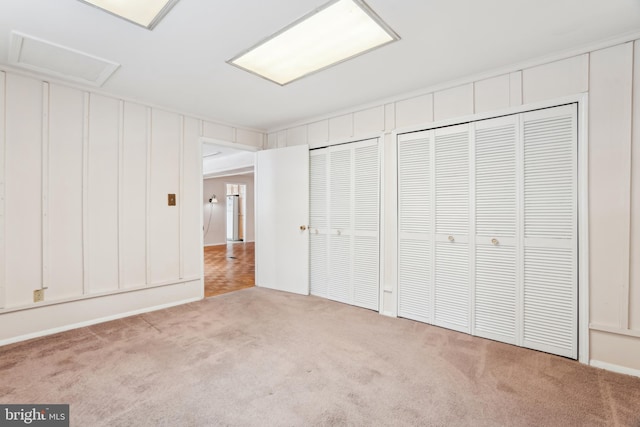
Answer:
(339, 30)
(146, 13)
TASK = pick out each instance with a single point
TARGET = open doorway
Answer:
(228, 217)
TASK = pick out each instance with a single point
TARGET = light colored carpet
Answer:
(261, 357)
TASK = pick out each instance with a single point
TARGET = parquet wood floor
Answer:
(228, 268)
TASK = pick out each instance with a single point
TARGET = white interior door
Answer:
(282, 209)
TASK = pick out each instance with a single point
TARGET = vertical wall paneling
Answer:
(2, 188)
(66, 109)
(515, 89)
(192, 199)
(634, 273)
(492, 94)
(133, 218)
(248, 137)
(369, 121)
(147, 233)
(297, 136)
(85, 193)
(414, 111)
(389, 117)
(556, 79)
(609, 183)
(44, 168)
(341, 127)
(454, 102)
(318, 132)
(181, 201)
(272, 141)
(217, 131)
(282, 139)
(23, 174)
(120, 191)
(164, 226)
(104, 133)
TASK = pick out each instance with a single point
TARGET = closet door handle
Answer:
(303, 227)
(494, 242)
(451, 239)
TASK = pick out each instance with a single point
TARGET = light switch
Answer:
(172, 199)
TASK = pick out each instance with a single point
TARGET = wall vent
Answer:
(59, 61)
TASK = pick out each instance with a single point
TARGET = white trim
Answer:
(44, 197)
(199, 206)
(345, 140)
(147, 207)
(583, 228)
(120, 221)
(181, 199)
(2, 190)
(86, 105)
(98, 295)
(570, 53)
(615, 368)
(94, 321)
(237, 146)
(614, 330)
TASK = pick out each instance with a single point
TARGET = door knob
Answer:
(303, 227)
(494, 242)
(451, 239)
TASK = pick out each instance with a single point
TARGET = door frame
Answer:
(212, 141)
(582, 101)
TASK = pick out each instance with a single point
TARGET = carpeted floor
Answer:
(259, 358)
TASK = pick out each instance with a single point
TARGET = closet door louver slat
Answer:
(414, 223)
(452, 291)
(495, 215)
(318, 223)
(550, 231)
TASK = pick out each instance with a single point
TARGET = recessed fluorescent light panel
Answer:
(146, 13)
(339, 30)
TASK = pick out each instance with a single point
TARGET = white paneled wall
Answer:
(610, 76)
(85, 178)
(23, 188)
(64, 204)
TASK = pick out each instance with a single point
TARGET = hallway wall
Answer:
(217, 234)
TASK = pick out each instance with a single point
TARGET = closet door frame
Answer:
(582, 101)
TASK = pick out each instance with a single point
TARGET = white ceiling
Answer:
(228, 161)
(181, 63)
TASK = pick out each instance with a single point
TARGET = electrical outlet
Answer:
(38, 295)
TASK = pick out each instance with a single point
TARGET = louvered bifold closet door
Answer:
(366, 218)
(340, 222)
(496, 209)
(414, 224)
(452, 291)
(550, 230)
(318, 222)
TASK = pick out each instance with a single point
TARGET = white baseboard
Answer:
(65, 328)
(615, 368)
